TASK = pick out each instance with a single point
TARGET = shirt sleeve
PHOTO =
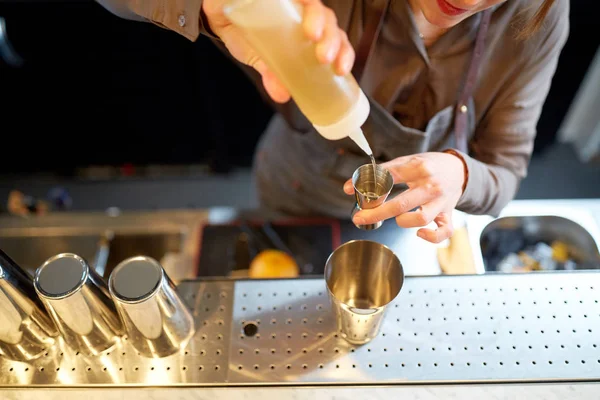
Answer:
(502, 145)
(184, 17)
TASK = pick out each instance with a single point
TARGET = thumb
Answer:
(348, 187)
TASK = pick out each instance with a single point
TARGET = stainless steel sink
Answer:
(31, 251)
(536, 221)
(169, 236)
(512, 234)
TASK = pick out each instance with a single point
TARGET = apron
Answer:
(300, 173)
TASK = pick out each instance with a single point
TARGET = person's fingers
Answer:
(349, 187)
(329, 45)
(423, 216)
(443, 232)
(273, 86)
(408, 169)
(345, 57)
(314, 19)
(400, 204)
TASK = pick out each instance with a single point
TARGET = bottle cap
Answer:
(360, 139)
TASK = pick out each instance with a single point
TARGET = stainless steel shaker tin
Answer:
(157, 321)
(362, 278)
(79, 303)
(26, 331)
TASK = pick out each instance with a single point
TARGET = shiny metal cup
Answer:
(79, 303)
(371, 190)
(26, 331)
(362, 278)
(157, 321)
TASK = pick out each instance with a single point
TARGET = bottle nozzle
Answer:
(359, 138)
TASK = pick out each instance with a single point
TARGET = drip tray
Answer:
(440, 329)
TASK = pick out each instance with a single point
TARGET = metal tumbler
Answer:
(362, 278)
(79, 303)
(157, 321)
(371, 190)
(26, 331)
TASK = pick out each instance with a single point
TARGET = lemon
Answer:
(273, 264)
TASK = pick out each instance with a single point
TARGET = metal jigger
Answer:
(370, 193)
(157, 321)
(362, 278)
(26, 331)
(79, 303)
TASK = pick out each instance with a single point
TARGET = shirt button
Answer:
(463, 109)
(181, 20)
(341, 151)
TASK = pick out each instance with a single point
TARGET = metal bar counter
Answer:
(440, 329)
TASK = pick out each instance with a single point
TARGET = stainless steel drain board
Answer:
(203, 362)
(489, 328)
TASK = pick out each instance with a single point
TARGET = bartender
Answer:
(456, 89)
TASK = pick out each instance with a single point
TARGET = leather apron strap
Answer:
(460, 118)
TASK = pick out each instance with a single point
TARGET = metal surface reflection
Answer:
(362, 277)
(79, 303)
(26, 331)
(157, 321)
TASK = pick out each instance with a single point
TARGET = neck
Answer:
(428, 32)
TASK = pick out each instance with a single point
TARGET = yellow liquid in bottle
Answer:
(274, 30)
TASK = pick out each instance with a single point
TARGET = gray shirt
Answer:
(414, 83)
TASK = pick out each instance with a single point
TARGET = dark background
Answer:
(96, 89)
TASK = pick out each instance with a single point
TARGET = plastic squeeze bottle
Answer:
(335, 105)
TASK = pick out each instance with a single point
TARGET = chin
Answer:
(436, 17)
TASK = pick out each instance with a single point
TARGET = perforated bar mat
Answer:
(490, 328)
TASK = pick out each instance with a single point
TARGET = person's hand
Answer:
(435, 184)
(320, 26)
